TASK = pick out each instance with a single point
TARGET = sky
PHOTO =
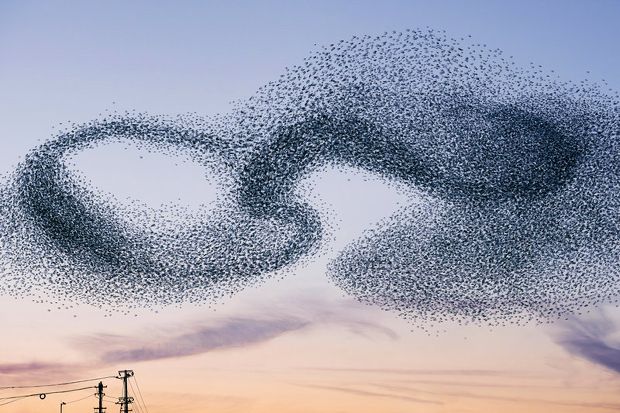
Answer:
(293, 344)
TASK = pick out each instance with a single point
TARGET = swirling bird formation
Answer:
(516, 171)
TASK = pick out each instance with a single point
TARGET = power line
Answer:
(140, 394)
(12, 401)
(137, 400)
(124, 401)
(79, 400)
(57, 384)
(44, 394)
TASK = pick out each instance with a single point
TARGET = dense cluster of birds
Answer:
(515, 172)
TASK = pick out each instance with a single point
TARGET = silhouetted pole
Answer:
(62, 404)
(125, 401)
(100, 395)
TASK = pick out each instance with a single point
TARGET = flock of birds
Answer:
(517, 173)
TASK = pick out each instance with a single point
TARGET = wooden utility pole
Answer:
(100, 395)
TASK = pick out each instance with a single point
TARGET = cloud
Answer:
(428, 372)
(591, 340)
(154, 344)
(229, 333)
(18, 373)
(345, 313)
(411, 394)
(367, 393)
(255, 326)
(20, 368)
(512, 399)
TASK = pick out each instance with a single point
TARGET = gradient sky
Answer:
(294, 344)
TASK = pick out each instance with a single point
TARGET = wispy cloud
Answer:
(512, 399)
(20, 368)
(160, 343)
(19, 373)
(344, 313)
(367, 393)
(257, 326)
(591, 339)
(229, 333)
(441, 396)
(428, 372)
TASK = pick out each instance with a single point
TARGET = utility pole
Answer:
(100, 395)
(125, 401)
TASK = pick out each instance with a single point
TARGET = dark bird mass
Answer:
(517, 171)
